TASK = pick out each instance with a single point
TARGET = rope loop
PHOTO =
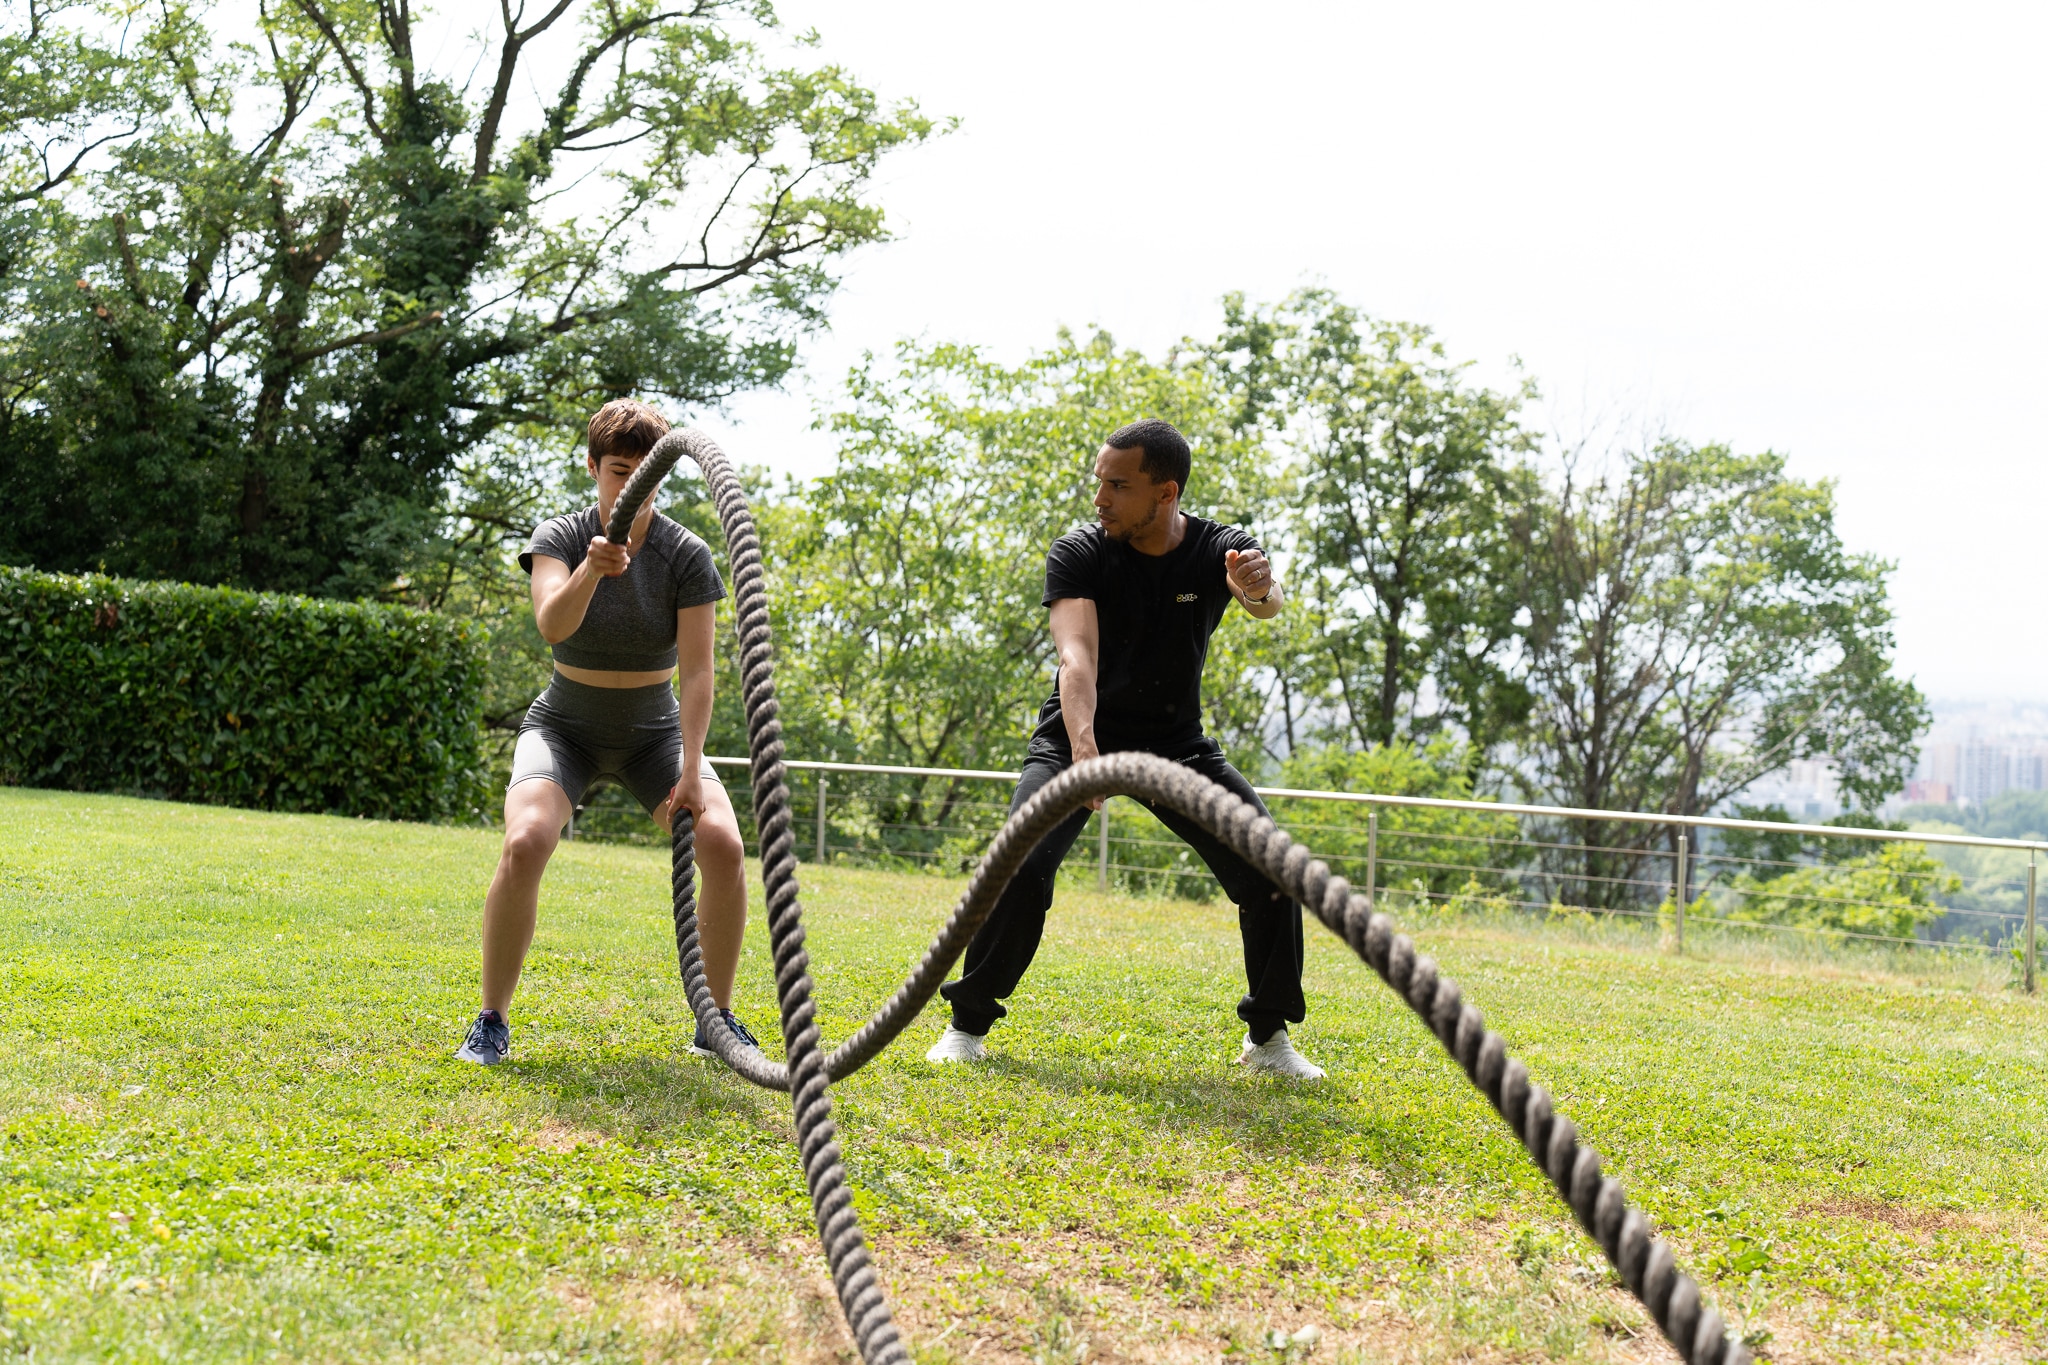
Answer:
(1645, 1262)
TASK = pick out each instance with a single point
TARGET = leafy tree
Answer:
(309, 275)
(1264, 686)
(1404, 469)
(68, 88)
(1693, 624)
(911, 583)
(1992, 903)
(2008, 815)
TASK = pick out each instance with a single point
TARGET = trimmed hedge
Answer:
(238, 698)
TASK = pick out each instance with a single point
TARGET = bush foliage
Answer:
(1427, 857)
(237, 698)
(1892, 892)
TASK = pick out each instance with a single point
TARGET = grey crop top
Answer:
(630, 625)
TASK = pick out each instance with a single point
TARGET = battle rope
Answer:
(1646, 1264)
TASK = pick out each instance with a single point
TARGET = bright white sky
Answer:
(1813, 228)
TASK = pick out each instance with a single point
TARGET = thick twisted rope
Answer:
(853, 1276)
(1646, 1263)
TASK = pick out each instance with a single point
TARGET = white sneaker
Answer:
(955, 1046)
(1278, 1056)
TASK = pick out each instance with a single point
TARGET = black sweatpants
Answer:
(1268, 922)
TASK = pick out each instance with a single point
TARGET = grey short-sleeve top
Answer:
(630, 625)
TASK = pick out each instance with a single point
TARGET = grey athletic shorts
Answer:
(575, 734)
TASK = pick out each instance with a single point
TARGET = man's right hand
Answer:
(1084, 749)
(608, 559)
(1075, 638)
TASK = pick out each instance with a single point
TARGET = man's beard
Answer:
(1130, 529)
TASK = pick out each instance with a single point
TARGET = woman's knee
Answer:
(719, 847)
(530, 842)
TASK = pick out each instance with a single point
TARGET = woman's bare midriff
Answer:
(611, 677)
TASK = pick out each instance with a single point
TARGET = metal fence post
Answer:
(2029, 950)
(823, 787)
(1102, 847)
(1678, 884)
(1372, 857)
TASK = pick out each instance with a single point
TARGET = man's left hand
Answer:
(1250, 573)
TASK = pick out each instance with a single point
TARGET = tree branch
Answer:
(51, 182)
(131, 270)
(394, 20)
(311, 9)
(556, 120)
(501, 90)
(367, 338)
(294, 87)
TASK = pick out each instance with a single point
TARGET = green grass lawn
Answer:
(230, 1129)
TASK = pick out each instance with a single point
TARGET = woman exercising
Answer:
(623, 620)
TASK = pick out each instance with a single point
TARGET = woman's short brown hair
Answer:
(625, 426)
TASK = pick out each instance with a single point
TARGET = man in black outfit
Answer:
(1134, 601)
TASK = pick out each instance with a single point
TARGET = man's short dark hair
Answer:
(1166, 451)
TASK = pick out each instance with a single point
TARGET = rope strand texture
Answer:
(1645, 1263)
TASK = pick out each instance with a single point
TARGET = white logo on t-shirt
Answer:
(1188, 597)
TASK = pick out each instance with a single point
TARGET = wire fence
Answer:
(1687, 879)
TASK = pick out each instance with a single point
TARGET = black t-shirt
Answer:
(1154, 616)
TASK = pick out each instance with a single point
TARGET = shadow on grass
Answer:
(643, 1096)
(1321, 1123)
(630, 1095)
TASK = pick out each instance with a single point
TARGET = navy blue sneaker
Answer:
(490, 1038)
(701, 1044)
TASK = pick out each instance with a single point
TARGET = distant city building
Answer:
(1975, 752)
(1987, 772)
(1808, 788)
(1979, 766)
(1943, 764)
